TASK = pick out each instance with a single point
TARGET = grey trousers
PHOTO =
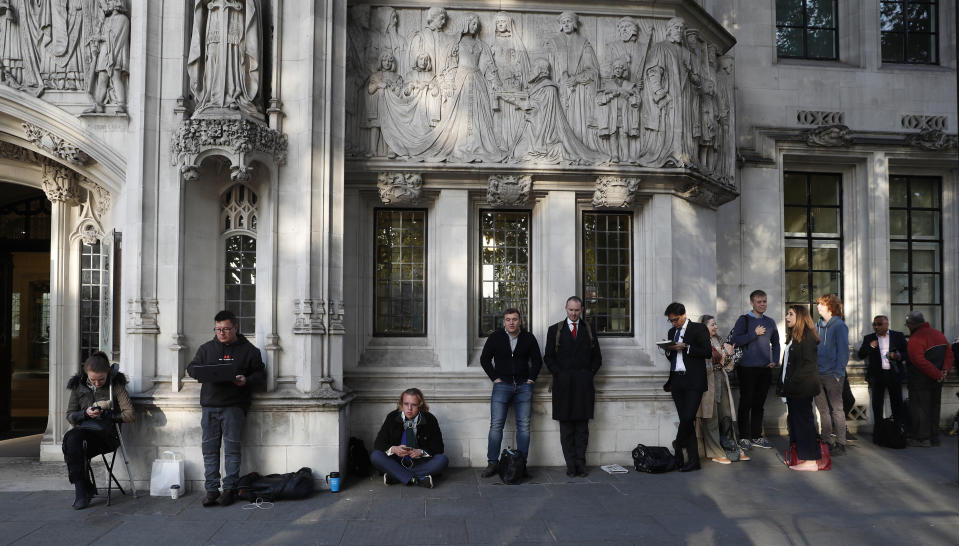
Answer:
(224, 424)
(721, 423)
(832, 418)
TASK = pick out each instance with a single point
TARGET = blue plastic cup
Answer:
(333, 478)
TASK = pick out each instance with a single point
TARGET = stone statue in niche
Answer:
(111, 57)
(725, 164)
(547, 136)
(399, 188)
(384, 81)
(358, 70)
(508, 190)
(224, 60)
(630, 45)
(513, 69)
(666, 138)
(11, 59)
(385, 37)
(617, 115)
(577, 71)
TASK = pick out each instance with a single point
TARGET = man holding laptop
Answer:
(226, 366)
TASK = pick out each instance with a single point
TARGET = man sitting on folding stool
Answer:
(97, 402)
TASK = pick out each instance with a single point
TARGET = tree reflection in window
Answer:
(806, 29)
(607, 259)
(399, 292)
(915, 246)
(238, 220)
(909, 31)
(504, 266)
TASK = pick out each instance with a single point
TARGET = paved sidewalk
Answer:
(872, 496)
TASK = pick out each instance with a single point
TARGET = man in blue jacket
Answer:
(833, 355)
(512, 360)
(758, 337)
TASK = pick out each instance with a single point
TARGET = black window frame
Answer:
(246, 322)
(527, 314)
(425, 280)
(90, 312)
(630, 283)
(810, 239)
(909, 240)
(933, 33)
(805, 34)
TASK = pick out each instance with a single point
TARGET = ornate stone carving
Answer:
(820, 117)
(9, 150)
(235, 139)
(99, 195)
(829, 136)
(932, 140)
(707, 193)
(615, 191)
(60, 183)
(309, 316)
(224, 61)
(110, 57)
(399, 188)
(142, 318)
(335, 308)
(55, 145)
(509, 190)
(919, 122)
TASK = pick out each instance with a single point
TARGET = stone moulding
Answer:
(236, 139)
(309, 316)
(615, 191)
(820, 117)
(509, 190)
(56, 145)
(142, 316)
(829, 136)
(923, 122)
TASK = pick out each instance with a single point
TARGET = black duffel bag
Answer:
(890, 434)
(654, 460)
(274, 487)
(512, 466)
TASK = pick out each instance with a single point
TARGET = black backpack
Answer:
(654, 460)
(512, 466)
(274, 487)
(358, 458)
(890, 434)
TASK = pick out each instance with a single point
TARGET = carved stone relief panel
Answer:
(828, 136)
(615, 191)
(399, 188)
(509, 190)
(56, 145)
(920, 122)
(439, 85)
(820, 117)
(60, 183)
(932, 140)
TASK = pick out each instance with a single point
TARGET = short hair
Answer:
(226, 314)
(512, 311)
(757, 294)
(434, 11)
(883, 317)
(628, 21)
(675, 308)
(576, 299)
(413, 392)
(706, 318)
(833, 303)
(915, 317)
(97, 363)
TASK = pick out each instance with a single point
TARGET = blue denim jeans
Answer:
(224, 424)
(425, 466)
(521, 396)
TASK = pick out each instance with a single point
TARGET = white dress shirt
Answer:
(884, 350)
(680, 364)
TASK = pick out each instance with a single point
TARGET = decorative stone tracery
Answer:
(236, 139)
(55, 145)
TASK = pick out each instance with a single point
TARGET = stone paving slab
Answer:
(872, 496)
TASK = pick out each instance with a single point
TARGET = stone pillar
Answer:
(762, 239)
(449, 312)
(877, 263)
(558, 259)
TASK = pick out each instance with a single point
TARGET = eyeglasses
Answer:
(225, 330)
(675, 320)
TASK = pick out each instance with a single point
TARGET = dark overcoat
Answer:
(573, 365)
(802, 370)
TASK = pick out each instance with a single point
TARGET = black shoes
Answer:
(229, 495)
(691, 466)
(490, 470)
(210, 498)
(425, 481)
(678, 451)
(83, 497)
(837, 450)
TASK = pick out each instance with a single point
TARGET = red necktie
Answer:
(574, 330)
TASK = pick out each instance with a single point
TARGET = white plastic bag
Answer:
(166, 472)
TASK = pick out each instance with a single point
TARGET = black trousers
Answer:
(879, 384)
(753, 388)
(802, 427)
(574, 436)
(78, 446)
(687, 404)
(925, 397)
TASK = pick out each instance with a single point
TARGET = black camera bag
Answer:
(512, 466)
(654, 460)
(274, 487)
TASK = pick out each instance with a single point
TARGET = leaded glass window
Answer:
(813, 237)
(93, 283)
(909, 31)
(238, 222)
(504, 266)
(915, 247)
(399, 291)
(607, 271)
(807, 29)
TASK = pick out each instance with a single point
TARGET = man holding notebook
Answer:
(226, 366)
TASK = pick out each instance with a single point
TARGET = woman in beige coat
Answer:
(717, 413)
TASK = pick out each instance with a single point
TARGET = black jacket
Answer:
(428, 435)
(698, 351)
(501, 362)
(802, 370)
(897, 343)
(573, 367)
(248, 362)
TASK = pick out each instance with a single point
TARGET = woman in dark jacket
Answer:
(799, 383)
(97, 401)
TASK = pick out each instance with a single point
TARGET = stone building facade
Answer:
(368, 185)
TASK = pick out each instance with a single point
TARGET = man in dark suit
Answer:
(885, 353)
(512, 360)
(573, 357)
(687, 356)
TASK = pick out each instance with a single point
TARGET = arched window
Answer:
(238, 219)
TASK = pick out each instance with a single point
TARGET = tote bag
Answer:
(166, 471)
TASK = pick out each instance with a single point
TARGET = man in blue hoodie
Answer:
(225, 403)
(833, 355)
(757, 336)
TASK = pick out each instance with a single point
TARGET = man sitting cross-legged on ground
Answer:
(409, 447)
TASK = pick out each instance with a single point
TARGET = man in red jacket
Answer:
(929, 362)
